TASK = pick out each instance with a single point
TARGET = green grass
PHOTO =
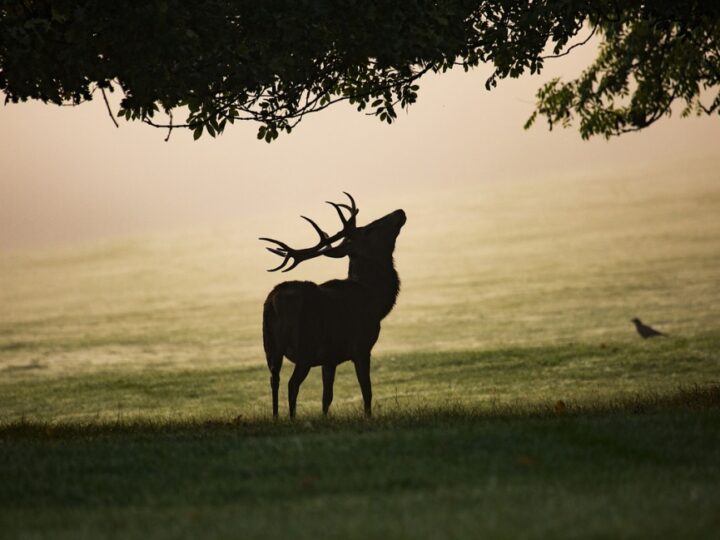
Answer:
(462, 444)
(645, 467)
(574, 373)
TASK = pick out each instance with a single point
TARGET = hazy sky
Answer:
(68, 175)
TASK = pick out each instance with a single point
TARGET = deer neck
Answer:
(381, 279)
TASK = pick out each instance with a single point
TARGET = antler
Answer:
(324, 244)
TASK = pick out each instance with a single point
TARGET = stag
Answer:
(339, 320)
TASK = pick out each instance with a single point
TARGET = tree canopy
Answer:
(218, 62)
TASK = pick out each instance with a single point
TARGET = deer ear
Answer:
(337, 252)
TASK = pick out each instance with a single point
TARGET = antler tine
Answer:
(354, 209)
(293, 265)
(283, 245)
(283, 263)
(337, 207)
(346, 207)
(283, 251)
(322, 234)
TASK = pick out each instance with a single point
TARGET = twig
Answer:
(171, 126)
(575, 46)
(109, 110)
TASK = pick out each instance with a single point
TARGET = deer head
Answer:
(375, 240)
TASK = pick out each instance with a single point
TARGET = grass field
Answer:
(640, 469)
(512, 397)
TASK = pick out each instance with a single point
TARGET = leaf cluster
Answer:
(652, 55)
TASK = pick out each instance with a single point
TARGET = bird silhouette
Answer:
(646, 331)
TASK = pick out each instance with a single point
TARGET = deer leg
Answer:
(275, 383)
(328, 376)
(362, 370)
(296, 379)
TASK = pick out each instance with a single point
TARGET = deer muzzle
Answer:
(399, 217)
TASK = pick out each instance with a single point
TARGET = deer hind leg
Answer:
(328, 376)
(362, 370)
(275, 364)
(296, 380)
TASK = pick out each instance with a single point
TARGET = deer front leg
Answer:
(328, 376)
(362, 370)
(296, 380)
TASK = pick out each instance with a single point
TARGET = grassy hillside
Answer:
(513, 398)
(514, 264)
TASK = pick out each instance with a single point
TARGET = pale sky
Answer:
(67, 175)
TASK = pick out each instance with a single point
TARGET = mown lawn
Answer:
(575, 373)
(566, 441)
(646, 467)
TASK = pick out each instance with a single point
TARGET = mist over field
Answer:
(512, 263)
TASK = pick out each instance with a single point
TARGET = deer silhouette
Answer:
(339, 320)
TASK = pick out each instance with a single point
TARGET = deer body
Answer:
(319, 324)
(336, 321)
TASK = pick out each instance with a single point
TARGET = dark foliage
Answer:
(275, 61)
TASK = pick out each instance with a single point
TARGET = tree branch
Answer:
(569, 49)
(109, 110)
